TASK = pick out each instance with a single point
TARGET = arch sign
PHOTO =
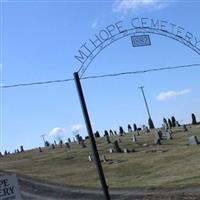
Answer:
(136, 26)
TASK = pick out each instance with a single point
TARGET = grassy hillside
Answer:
(172, 164)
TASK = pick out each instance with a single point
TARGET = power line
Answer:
(37, 83)
(101, 76)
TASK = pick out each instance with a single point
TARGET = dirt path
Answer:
(35, 190)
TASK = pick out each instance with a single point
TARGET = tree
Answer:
(173, 121)
(151, 125)
(194, 121)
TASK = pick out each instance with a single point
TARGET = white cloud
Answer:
(77, 127)
(57, 133)
(170, 94)
(125, 6)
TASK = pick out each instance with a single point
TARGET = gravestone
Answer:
(177, 124)
(134, 138)
(143, 127)
(129, 129)
(116, 147)
(111, 133)
(119, 140)
(121, 131)
(61, 143)
(47, 144)
(111, 150)
(170, 131)
(135, 127)
(97, 135)
(53, 146)
(158, 136)
(21, 148)
(193, 140)
(168, 135)
(67, 145)
(115, 132)
(106, 133)
(185, 128)
(108, 139)
(82, 142)
(147, 130)
(165, 124)
(69, 140)
(90, 158)
(40, 149)
(104, 158)
(126, 151)
(86, 137)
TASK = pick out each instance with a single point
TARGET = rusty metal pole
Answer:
(91, 136)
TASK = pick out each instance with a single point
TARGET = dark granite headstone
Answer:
(158, 136)
(116, 147)
(82, 142)
(108, 139)
(67, 145)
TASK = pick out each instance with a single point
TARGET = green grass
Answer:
(173, 164)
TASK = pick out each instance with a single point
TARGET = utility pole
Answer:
(151, 125)
(91, 136)
(43, 138)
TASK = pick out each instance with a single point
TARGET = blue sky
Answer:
(39, 42)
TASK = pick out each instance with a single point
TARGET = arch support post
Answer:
(91, 136)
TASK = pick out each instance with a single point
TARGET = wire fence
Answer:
(101, 76)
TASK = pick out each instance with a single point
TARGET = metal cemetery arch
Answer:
(114, 32)
(106, 37)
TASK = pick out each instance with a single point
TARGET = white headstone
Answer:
(111, 150)
(9, 188)
(90, 158)
(126, 151)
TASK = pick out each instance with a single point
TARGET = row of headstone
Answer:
(159, 135)
(170, 123)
